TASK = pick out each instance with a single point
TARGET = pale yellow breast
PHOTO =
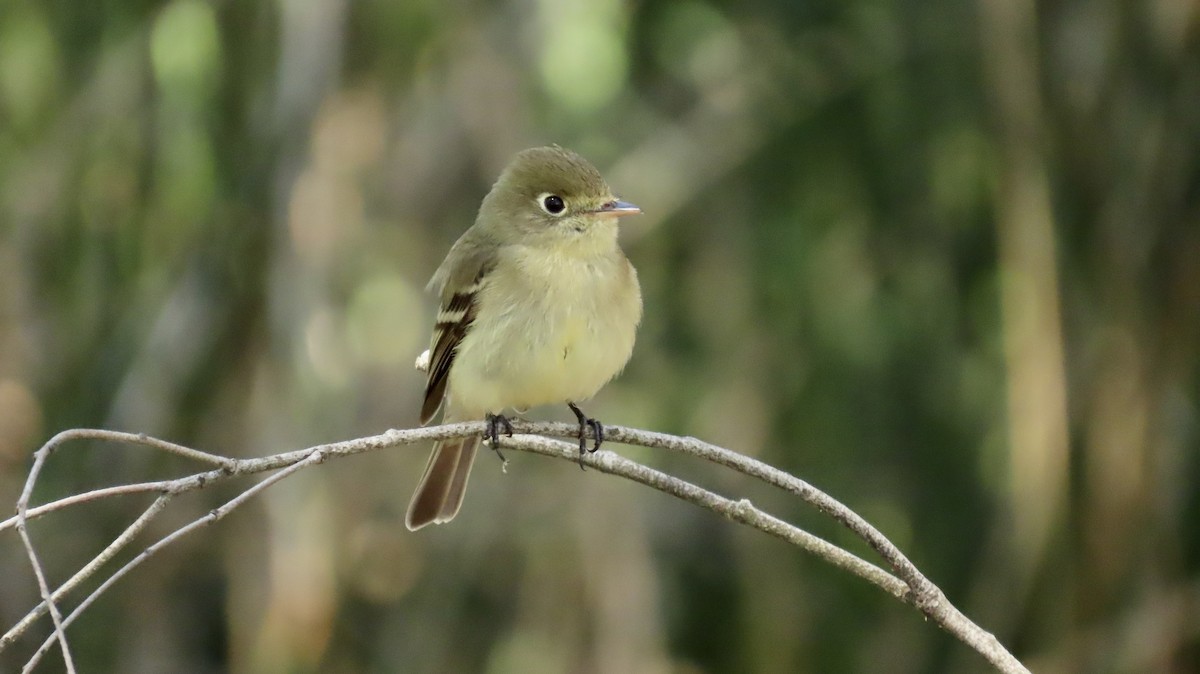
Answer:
(551, 328)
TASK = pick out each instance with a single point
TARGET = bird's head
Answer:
(554, 197)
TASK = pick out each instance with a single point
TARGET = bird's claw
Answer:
(586, 422)
(494, 423)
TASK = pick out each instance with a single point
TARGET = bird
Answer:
(538, 305)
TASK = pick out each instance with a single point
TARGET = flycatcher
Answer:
(538, 305)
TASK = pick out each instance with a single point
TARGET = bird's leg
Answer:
(586, 422)
(492, 435)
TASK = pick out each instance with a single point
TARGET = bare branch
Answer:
(918, 590)
(314, 457)
(921, 592)
(94, 495)
(55, 616)
(740, 511)
(230, 468)
(908, 584)
(91, 567)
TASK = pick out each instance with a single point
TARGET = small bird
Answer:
(538, 305)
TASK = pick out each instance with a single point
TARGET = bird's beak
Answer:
(618, 208)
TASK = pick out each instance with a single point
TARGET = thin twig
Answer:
(229, 467)
(910, 586)
(922, 593)
(55, 616)
(314, 457)
(38, 572)
(91, 567)
(94, 495)
(740, 511)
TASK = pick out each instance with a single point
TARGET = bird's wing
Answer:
(460, 281)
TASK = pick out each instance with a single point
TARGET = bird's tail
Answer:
(440, 492)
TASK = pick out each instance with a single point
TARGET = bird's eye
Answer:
(552, 204)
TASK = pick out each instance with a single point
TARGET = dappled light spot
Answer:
(384, 323)
(584, 64)
(185, 50)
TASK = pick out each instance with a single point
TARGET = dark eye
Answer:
(553, 204)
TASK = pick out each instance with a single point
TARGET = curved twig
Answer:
(908, 584)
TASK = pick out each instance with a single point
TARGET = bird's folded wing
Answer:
(454, 319)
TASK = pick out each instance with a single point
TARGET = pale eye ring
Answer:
(552, 203)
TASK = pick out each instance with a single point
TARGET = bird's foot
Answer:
(494, 423)
(586, 422)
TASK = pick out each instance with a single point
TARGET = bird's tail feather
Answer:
(440, 492)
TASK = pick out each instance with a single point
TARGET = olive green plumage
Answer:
(537, 305)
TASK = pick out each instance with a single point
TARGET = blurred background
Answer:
(941, 259)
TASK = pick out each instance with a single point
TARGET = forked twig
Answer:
(214, 515)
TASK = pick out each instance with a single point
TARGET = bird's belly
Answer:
(556, 346)
(573, 360)
(558, 361)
